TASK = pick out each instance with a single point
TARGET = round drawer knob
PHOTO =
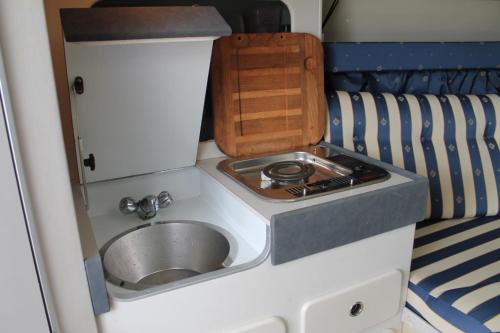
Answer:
(356, 309)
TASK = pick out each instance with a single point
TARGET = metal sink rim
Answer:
(137, 286)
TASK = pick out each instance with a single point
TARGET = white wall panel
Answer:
(413, 20)
(21, 305)
(25, 48)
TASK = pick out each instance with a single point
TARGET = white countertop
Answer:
(197, 197)
(194, 209)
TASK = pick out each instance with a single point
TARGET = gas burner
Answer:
(306, 173)
(288, 172)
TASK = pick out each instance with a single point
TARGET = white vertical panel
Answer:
(21, 305)
(25, 49)
(305, 16)
(413, 21)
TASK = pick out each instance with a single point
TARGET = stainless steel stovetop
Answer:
(301, 174)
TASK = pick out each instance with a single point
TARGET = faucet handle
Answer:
(128, 205)
(148, 206)
(164, 199)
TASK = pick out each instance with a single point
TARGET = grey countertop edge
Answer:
(306, 231)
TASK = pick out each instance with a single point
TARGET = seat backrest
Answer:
(451, 139)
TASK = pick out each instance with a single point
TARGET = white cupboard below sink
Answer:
(270, 325)
(354, 309)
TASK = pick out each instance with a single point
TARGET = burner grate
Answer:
(338, 181)
(289, 171)
(321, 186)
(297, 190)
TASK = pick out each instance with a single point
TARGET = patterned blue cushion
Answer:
(450, 139)
(455, 274)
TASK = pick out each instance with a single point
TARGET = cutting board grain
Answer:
(267, 92)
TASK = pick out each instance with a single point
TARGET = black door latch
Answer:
(90, 162)
(78, 85)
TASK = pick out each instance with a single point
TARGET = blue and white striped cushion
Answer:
(455, 277)
(450, 139)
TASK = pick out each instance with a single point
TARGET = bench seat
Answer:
(455, 278)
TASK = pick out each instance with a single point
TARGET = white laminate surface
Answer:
(197, 197)
(196, 209)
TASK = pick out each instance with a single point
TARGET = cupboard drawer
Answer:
(354, 309)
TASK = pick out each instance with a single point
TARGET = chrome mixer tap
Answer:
(147, 207)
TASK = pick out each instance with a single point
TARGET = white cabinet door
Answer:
(22, 306)
(355, 309)
(140, 107)
(270, 325)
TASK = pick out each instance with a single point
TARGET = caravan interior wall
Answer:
(413, 21)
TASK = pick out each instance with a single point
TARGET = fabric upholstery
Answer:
(413, 68)
(365, 57)
(455, 277)
(450, 139)
(476, 82)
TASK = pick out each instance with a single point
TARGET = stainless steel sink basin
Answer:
(162, 252)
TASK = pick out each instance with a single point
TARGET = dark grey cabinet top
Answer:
(126, 23)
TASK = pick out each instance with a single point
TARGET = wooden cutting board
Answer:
(267, 92)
